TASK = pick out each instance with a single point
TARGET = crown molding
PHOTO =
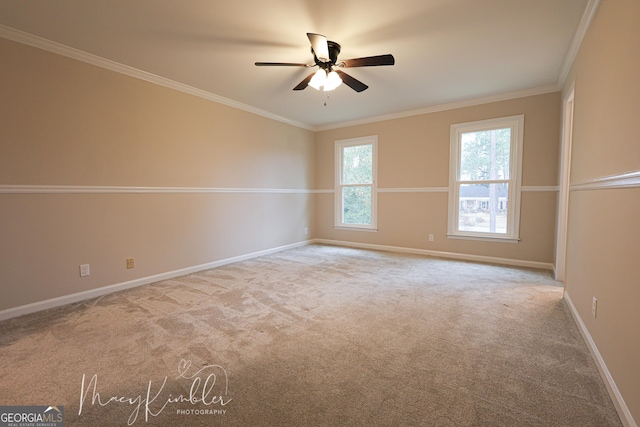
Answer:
(578, 37)
(444, 107)
(58, 48)
(73, 53)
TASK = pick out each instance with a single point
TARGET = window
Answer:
(356, 168)
(484, 183)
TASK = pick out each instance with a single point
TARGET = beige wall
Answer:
(68, 123)
(413, 152)
(602, 252)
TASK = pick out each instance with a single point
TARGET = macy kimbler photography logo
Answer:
(31, 416)
(208, 394)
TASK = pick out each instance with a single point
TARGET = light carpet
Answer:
(314, 336)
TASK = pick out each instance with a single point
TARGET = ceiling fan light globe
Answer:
(333, 81)
(319, 79)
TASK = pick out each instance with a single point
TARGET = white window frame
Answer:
(516, 123)
(339, 146)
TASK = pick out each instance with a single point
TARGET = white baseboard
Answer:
(93, 293)
(439, 254)
(616, 396)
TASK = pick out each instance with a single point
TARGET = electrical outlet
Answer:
(306, 230)
(130, 263)
(84, 270)
(594, 306)
(431, 237)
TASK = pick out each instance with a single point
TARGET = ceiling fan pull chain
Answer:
(326, 99)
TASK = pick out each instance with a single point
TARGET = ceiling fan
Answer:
(329, 76)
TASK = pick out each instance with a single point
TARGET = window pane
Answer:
(483, 208)
(356, 203)
(357, 164)
(485, 155)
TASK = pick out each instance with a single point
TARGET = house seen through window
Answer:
(485, 178)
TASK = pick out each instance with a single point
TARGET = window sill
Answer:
(354, 228)
(495, 239)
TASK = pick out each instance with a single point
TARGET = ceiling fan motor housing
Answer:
(334, 51)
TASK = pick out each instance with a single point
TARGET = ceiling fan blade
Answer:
(282, 64)
(303, 84)
(369, 61)
(320, 46)
(353, 83)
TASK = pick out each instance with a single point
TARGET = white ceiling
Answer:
(446, 51)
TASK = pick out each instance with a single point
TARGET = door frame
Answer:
(568, 106)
